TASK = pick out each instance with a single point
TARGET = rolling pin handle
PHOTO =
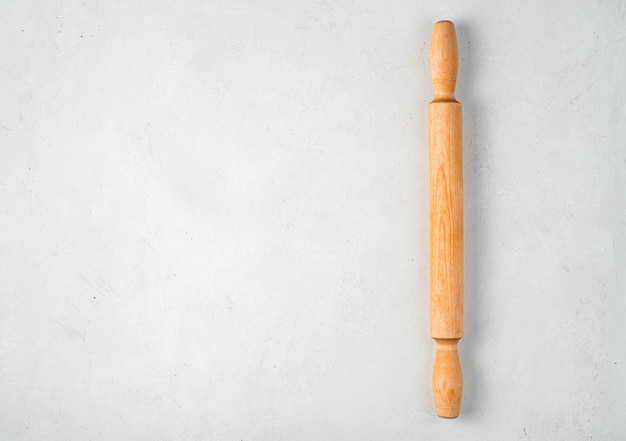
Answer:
(447, 379)
(444, 60)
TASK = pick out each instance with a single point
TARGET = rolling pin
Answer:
(446, 221)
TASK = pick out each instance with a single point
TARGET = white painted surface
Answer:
(214, 224)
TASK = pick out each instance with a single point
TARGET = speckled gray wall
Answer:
(214, 220)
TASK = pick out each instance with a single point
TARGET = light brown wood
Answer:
(446, 221)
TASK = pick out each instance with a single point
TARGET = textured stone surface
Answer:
(214, 220)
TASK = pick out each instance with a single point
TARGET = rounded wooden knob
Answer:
(444, 60)
(447, 379)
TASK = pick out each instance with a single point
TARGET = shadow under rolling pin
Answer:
(446, 221)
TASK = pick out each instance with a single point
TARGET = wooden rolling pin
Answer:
(446, 221)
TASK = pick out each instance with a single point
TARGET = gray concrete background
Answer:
(214, 220)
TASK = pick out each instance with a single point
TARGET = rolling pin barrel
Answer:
(446, 221)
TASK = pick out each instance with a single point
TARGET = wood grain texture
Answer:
(446, 221)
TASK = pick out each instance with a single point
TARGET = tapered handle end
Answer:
(447, 379)
(444, 60)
